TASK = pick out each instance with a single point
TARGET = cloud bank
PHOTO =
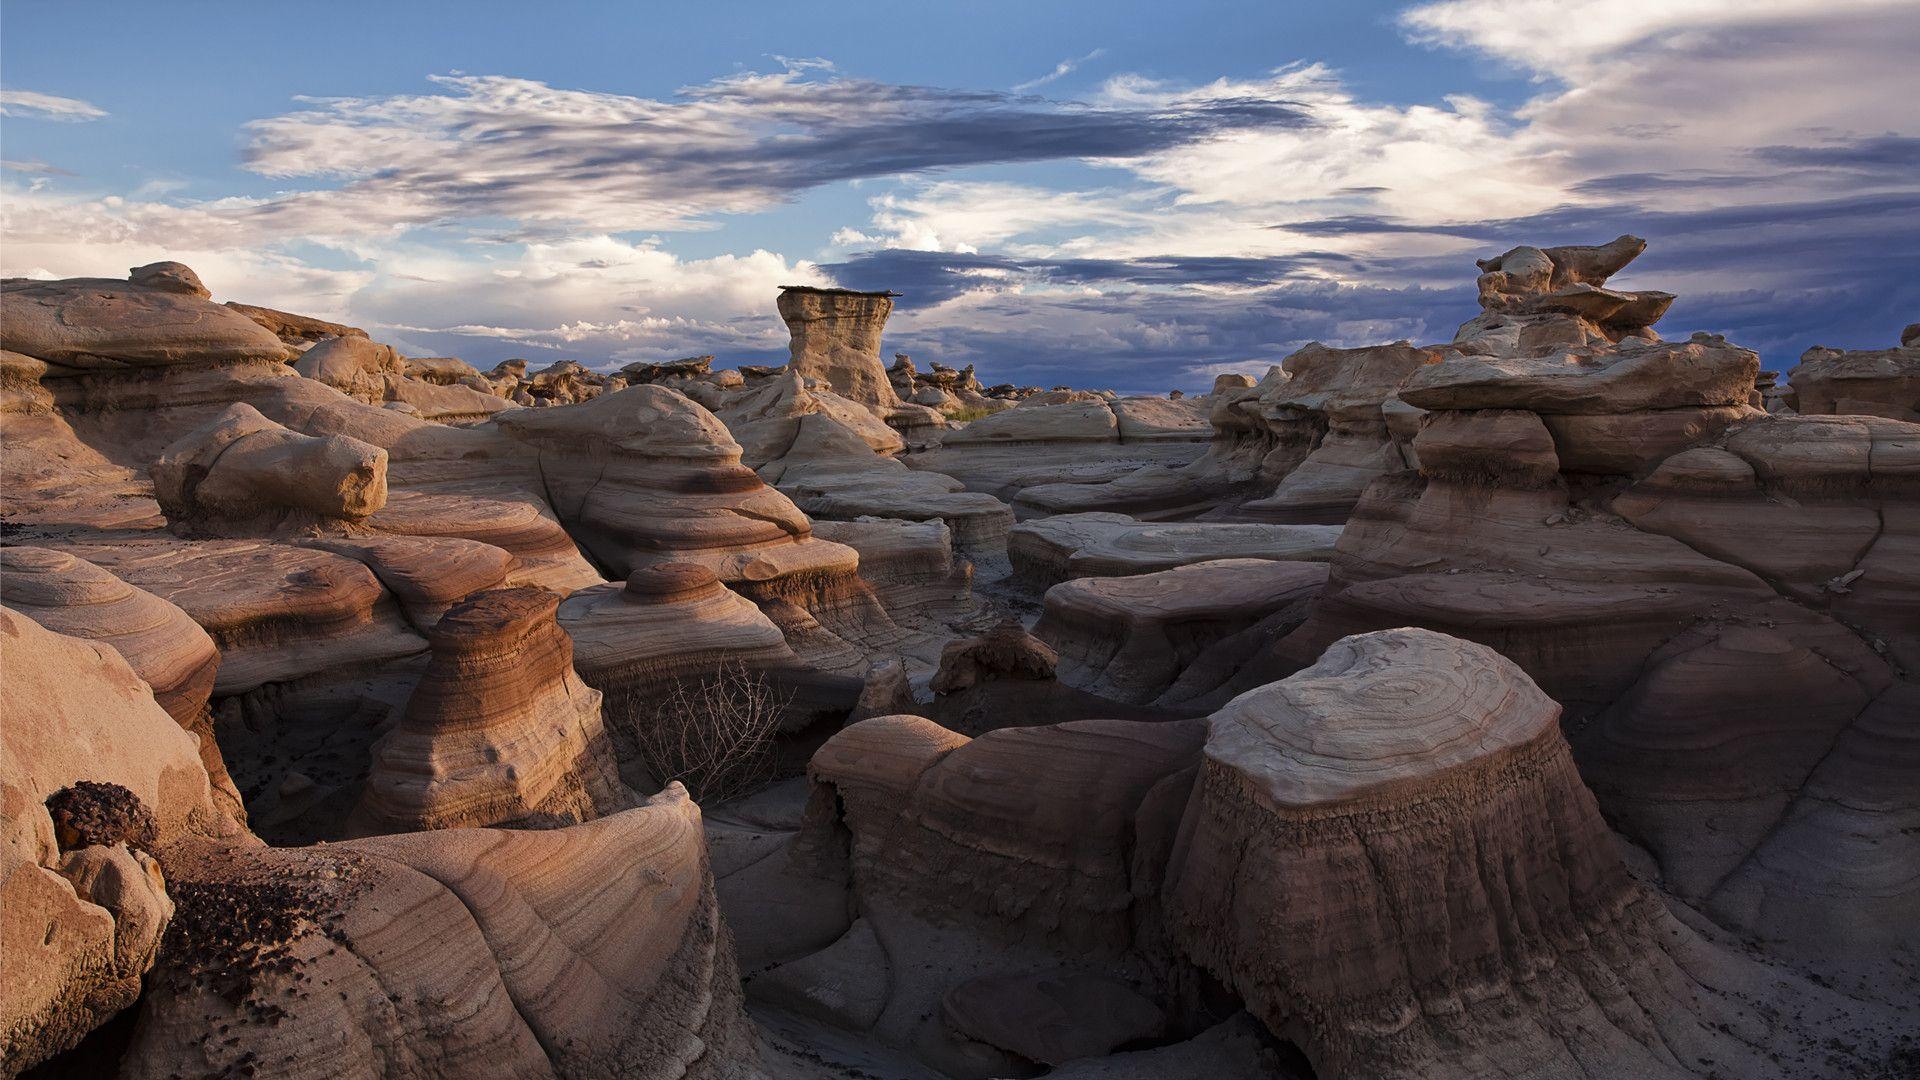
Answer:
(1767, 148)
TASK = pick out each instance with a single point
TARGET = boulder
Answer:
(243, 474)
(91, 324)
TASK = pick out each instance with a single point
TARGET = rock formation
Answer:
(242, 473)
(836, 340)
(1391, 855)
(1881, 382)
(97, 779)
(1046, 551)
(499, 730)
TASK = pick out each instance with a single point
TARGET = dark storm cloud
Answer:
(516, 150)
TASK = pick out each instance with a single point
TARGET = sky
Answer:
(1121, 195)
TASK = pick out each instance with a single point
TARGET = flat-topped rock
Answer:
(99, 324)
(836, 340)
(1049, 550)
(1703, 371)
(1880, 382)
(1131, 638)
(1395, 708)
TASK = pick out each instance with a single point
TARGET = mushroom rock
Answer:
(426, 574)
(295, 330)
(591, 950)
(242, 473)
(646, 476)
(1046, 551)
(1005, 652)
(85, 899)
(162, 644)
(99, 324)
(1132, 638)
(836, 340)
(1029, 831)
(1879, 382)
(563, 382)
(1391, 857)
(500, 729)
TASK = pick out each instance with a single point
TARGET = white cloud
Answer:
(32, 105)
(1060, 70)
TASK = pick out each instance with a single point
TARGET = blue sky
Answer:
(1130, 195)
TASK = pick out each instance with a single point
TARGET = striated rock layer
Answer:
(1391, 857)
(499, 730)
(592, 950)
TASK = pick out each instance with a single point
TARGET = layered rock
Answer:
(499, 729)
(837, 460)
(98, 324)
(1046, 551)
(97, 780)
(1545, 298)
(1132, 639)
(298, 331)
(243, 474)
(960, 828)
(162, 644)
(836, 341)
(1391, 857)
(1867, 382)
(591, 950)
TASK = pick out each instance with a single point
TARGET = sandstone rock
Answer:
(169, 277)
(844, 984)
(1705, 371)
(1392, 854)
(592, 950)
(1005, 652)
(1131, 638)
(101, 325)
(1046, 551)
(244, 474)
(836, 339)
(439, 370)
(1883, 382)
(159, 641)
(278, 613)
(84, 918)
(499, 730)
(296, 330)
(940, 822)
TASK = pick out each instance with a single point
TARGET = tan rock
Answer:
(836, 340)
(591, 950)
(242, 473)
(295, 330)
(101, 324)
(499, 730)
(83, 918)
(1132, 638)
(1049, 550)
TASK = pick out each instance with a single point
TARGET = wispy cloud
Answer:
(1060, 70)
(33, 105)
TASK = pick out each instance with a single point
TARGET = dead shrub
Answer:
(715, 735)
